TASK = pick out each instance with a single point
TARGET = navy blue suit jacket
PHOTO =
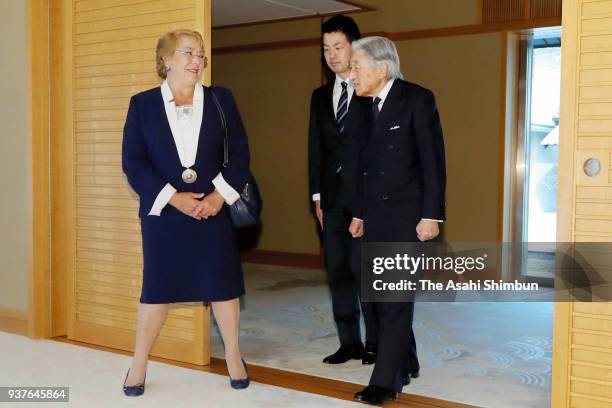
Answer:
(150, 158)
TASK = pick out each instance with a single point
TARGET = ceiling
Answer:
(232, 12)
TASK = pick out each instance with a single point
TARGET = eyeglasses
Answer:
(189, 54)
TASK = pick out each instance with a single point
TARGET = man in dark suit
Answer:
(401, 193)
(337, 117)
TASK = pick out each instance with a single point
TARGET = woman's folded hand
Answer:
(186, 203)
(209, 206)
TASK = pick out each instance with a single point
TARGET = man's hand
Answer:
(427, 229)
(209, 206)
(186, 203)
(319, 212)
(356, 228)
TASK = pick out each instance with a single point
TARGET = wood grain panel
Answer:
(593, 225)
(112, 56)
(586, 355)
(110, 270)
(604, 309)
(598, 109)
(122, 33)
(601, 126)
(107, 47)
(599, 42)
(127, 9)
(597, 193)
(589, 76)
(602, 390)
(128, 22)
(87, 5)
(596, 9)
(496, 11)
(595, 92)
(544, 8)
(578, 401)
(592, 372)
(597, 25)
(113, 92)
(582, 359)
(592, 322)
(594, 209)
(596, 58)
(592, 339)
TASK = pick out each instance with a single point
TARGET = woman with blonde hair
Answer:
(173, 157)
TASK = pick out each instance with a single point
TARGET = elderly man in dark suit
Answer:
(401, 194)
(337, 120)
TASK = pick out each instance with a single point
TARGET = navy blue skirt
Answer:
(186, 260)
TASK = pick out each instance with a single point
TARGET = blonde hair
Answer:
(166, 45)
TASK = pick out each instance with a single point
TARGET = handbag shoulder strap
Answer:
(225, 128)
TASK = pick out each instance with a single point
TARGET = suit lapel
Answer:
(391, 109)
(328, 102)
(349, 121)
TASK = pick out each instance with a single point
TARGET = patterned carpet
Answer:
(484, 354)
(95, 378)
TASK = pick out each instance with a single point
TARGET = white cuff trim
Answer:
(316, 197)
(227, 192)
(162, 199)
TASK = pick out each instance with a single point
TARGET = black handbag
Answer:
(246, 210)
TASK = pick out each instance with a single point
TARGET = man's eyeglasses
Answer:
(190, 54)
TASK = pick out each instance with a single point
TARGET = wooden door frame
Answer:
(51, 118)
(565, 196)
(51, 280)
(37, 27)
(50, 53)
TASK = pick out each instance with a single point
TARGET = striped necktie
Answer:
(342, 107)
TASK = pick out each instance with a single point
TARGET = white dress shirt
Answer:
(185, 123)
(337, 92)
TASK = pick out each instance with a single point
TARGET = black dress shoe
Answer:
(344, 354)
(374, 394)
(134, 390)
(407, 377)
(369, 354)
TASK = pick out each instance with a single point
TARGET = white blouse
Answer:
(185, 123)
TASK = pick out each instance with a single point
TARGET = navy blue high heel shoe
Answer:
(134, 390)
(241, 384)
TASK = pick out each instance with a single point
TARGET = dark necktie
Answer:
(342, 107)
(375, 110)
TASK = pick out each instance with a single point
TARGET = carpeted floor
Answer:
(493, 355)
(95, 379)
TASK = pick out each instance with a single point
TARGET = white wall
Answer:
(15, 158)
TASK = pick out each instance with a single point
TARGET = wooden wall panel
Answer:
(111, 56)
(582, 359)
(544, 8)
(496, 11)
(499, 11)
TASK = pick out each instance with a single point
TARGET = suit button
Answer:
(382, 173)
(384, 197)
(365, 173)
(391, 147)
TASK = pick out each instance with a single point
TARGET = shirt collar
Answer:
(198, 93)
(385, 92)
(339, 80)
